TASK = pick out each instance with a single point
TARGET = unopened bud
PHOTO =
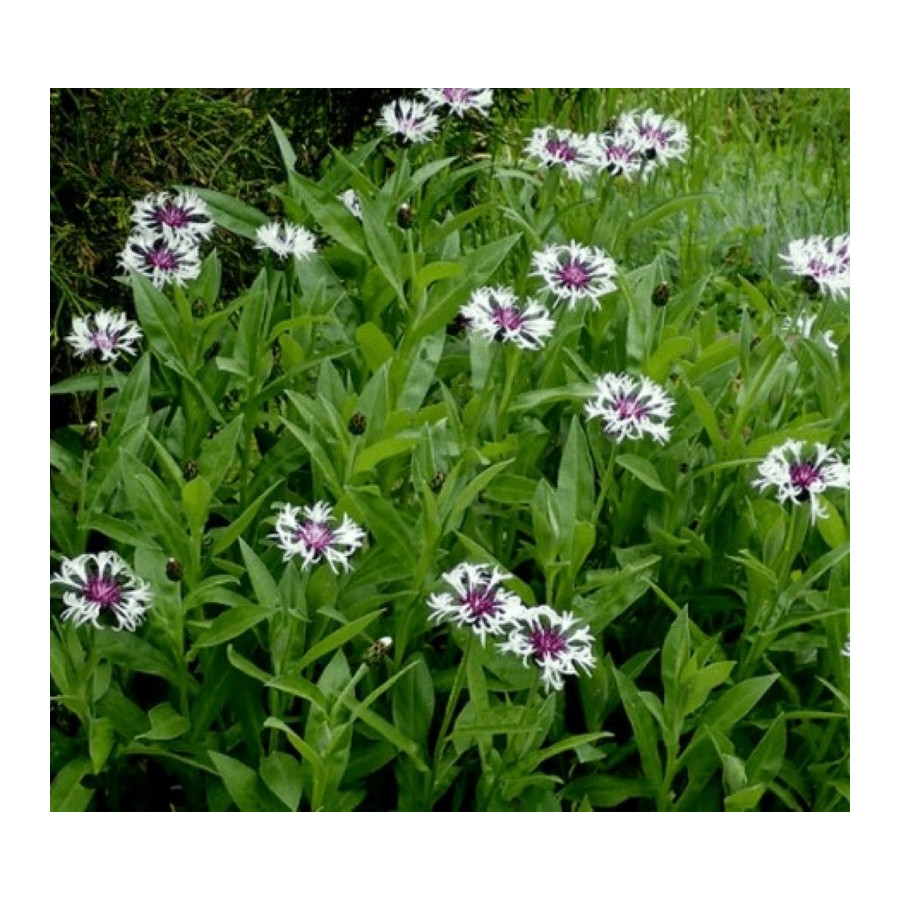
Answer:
(174, 569)
(357, 423)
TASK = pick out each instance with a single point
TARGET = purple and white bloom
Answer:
(802, 326)
(161, 260)
(174, 216)
(106, 333)
(307, 532)
(551, 146)
(497, 314)
(799, 474)
(350, 199)
(411, 120)
(575, 273)
(285, 239)
(102, 583)
(555, 642)
(659, 139)
(478, 600)
(619, 152)
(631, 408)
(460, 100)
(823, 263)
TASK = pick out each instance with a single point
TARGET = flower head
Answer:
(285, 239)
(497, 313)
(659, 139)
(823, 263)
(460, 100)
(102, 583)
(802, 326)
(307, 532)
(176, 216)
(619, 152)
(105, 333)
(412, 121)
(799, 474)
(631, 408)
(574, 272)
(478, 600)
(558, 147)
(161, 259)
(350, 199)
(555, 642)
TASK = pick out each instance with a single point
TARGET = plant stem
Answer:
(455, 691)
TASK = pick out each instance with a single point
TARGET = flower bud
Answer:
(174, 569)
(357, 423)
(660, 295)
(91, 436)
(405, 215)
(189, 470)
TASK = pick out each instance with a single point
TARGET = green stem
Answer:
(511, 358)
(455, 691)
(101, 391)
(607, 481)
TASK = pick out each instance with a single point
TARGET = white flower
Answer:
(479, 601)
(351, 201)
(619, 152)
(161, 259)
(459, 100)
(574, 272)
(306, 532)
(180, 216)
(496, 313)
(630, 408)
(798, 474)
(823, 263)
(576, 153)
(802, 325)
(98, 583)
(659, 139)
(285, 239)
(106, 333)
(411, 120)
(555, 642)
(845, 650)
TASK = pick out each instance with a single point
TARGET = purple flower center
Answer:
(104, 591)
(508, 317)
(619, 152)
(630, 408)
(804, 475)
(316, 535)
(100, 340)
(656, 136)
(173, 216)
(482, 603)
(561, 150)
(162, 258)
(456, 95)
(547, 643)
(820, 268)
(573, 274)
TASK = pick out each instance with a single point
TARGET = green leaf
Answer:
(412, 703)
(283, 775)
(244, 786)
(643, 470)
(158, 319)
(384, 250)
(376, 348)
(831, 525)
(66, 792)
(575, 483)
(675, 653)
(737, 701)
(229, 624)
(662, 211)
(705, 681)
(102, 736)
(223, 538)
(231, 214)
(299, 687)
(369, 458)
(337, 639)
(264, 587)
(195, 498)
(165, 724)
(642, 726)
(217, 454)
(766, 760)
(745, 799)
(288, 156)
(329, 212)
(707, 415)
(135, 654)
